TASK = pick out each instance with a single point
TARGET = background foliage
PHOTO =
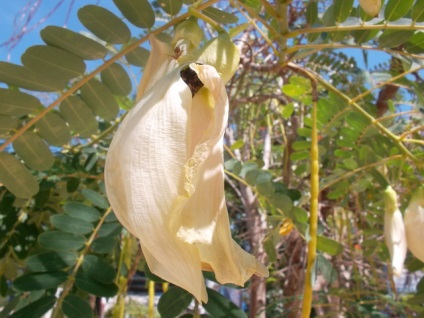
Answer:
(61, 246)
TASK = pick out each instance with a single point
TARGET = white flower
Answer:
(394, 231)
(414, 224)
(165, 179)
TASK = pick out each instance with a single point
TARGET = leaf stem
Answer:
(313, 217)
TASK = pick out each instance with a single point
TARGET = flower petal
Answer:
(414, 224)
(165, 180)
(159, 64)
(394, 231)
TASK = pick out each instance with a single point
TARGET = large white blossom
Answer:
(165, 178)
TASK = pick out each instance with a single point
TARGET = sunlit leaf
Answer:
(104, 24)
(417, 13)
(396, 9)
(138, 12)
(73, 42)
(415, 45)
(53, 62)
(33, 151)
(100, 100)
(364, 36)
(23, 77)
(311, 12)
(328, 245)
(342, 9)
(220, 16)
(255, 5)
(293, 90)
(394, 38)
(117, 80)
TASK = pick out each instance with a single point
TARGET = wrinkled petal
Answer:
(414, 224)
(160, 63)
(165, 181)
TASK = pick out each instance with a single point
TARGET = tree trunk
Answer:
(256, 224)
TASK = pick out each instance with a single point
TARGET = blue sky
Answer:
(64, 15)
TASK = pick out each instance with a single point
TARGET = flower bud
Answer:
(394, 231)
(371, 7)
(189, 32)
(220, 52)
(414, 224)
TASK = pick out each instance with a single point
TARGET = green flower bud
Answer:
(188, 31)
(220, 52)
(390, 200)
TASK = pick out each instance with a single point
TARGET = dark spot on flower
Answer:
(192, 80)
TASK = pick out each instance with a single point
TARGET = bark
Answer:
(295, 247)
(256, 229)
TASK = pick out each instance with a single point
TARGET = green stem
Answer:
(313, 218)
(283, 22)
